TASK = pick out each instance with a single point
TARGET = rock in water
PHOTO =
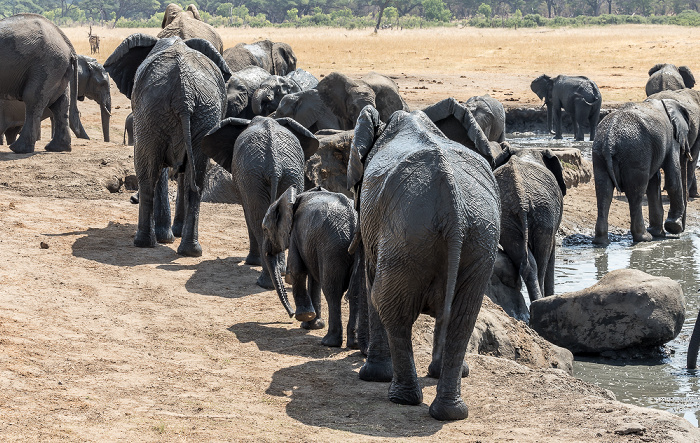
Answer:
(625, 309)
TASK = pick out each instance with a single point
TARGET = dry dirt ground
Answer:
(101, 341)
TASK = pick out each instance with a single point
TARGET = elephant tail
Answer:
(604, 145)
(187, 136)
(73, 113)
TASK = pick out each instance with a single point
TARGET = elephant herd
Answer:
(435, 191)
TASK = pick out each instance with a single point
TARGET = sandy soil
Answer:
(100, 341)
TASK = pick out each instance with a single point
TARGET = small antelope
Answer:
(94, 42)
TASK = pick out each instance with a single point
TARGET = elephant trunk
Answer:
(262, 99)
(273, 268)
(105, 113)
(694, 345)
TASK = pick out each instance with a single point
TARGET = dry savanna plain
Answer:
(101, 341)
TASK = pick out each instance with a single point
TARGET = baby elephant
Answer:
(317, 226)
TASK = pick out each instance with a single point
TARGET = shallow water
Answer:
(664, 383)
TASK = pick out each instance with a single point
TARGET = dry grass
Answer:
(617, 57)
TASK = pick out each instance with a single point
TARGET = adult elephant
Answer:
(337, 101)
(668, 77)
(532, 190)
(431, 253)
(490, 115)
(694, 345)
(177, 92)
(265, 157)
(267, 97)
(275, 57)
(188, 24)
(578, 96)
(633, 143)
(39, 62)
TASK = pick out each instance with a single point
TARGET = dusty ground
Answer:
(100, 341)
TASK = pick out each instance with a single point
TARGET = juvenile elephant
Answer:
(431, 253)
(177, 92)
(240, 89)
(578, 96)
(668, 77)
(38, 63)
(631, 146)
(275, 57)
(490, 115)
(317, 226)
(532, 190)
(129, 129)
(188, 24)
(265, 157)
(694, 345)
(266, 98)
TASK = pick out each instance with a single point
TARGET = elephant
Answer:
(532, 190)
(429, 214)
(265, 157)
(93, 83)
(266, 98)
(633, 143)
(317, 226)
(240, 89)
(337, 101)
(128, 138)
(694, 345)
(187, 24)
(275, 57)
(177, 92)
(668, 77)
(490, 115)
(578, 96)
(39, 63)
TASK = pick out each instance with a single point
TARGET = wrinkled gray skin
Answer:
(490, 115)
(188, 24)
(532, 190)
(177, 92)
(267, 97)
(38, 63)
(317, 227)
(265, 157)
(578, 96)
(632, 144)
(93, 83)
(275, 57)
(240, 89)
(337, 101)
(668, 77)
(690, 100)
(694, 345)
(432, 253)
(129, 129)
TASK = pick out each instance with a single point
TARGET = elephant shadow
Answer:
(221, 277)
(297, 341)
(327, 393)
(10, 156)
(113, 245)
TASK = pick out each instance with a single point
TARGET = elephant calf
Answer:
(317, 226)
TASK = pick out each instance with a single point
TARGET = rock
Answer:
(114, 184)
(131, 182)
(43, 245)
(630, 428)
(505, 287)
(499, 335)
(329, 165)
(219, 186)
(625, 309)
(535, 120)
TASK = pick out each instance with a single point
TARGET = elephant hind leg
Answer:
(161, 210)
(639, 233)
(656, 209)
(149, 177)
(333, 291)
(603, 193)
(580, 117)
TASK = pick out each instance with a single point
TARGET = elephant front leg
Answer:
(603, 193)
(404, 388)
(161, 210)
(189, 245)
(556, 115)
(61, 140)
(656, 209)
(435, 367)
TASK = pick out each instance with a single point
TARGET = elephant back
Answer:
(186, 27)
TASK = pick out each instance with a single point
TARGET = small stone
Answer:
(131, 182)
(630, 428)
(44, 245)
(114, 184)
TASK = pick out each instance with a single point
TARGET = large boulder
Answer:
(505, 288)
(625, 309)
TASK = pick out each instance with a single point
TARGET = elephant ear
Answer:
(277, 223)
(688, 78)
(126, 59)
(171, 11)
(218, 144)
(368, 128)
(206, 48)
(678, 116)
(552, 163)
(656, 67)
(195, 13)
(284, 60)
(541, 86)
(308, 141)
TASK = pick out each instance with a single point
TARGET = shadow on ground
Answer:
(221, 277)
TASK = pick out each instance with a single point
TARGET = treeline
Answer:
(369, 13)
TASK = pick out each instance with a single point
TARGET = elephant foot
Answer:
(405, 395)
(435, 369)
(558, 137)
(134, 199)
(305, 315)
(674, 225)
(20, 147)
(352, 342)
(333, 340)
(177, 228)
(165, 236)
(190, 249)
(579, 139)
(255, 260)
(377, 371)
(694, 195)
(453, 410)
(316, 323)
(644, 236)
(57, 146)
(144, 240)
(656, 232)
(601, 240)
(264, 281)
